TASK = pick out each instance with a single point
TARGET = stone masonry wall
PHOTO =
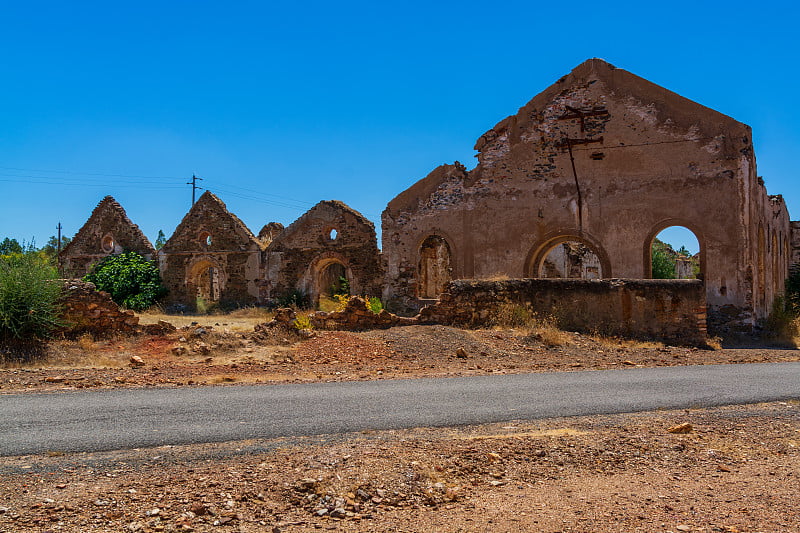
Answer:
(795, 244)
(87, 310)
(669, 310)
(330, 234)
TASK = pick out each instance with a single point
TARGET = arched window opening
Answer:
(435, 270)
(205, 238)
(333, 234)
(570, 259)
(675, 254)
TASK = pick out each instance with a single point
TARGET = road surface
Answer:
(134, 418)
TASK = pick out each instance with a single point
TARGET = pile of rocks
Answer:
(87, 310)
(357, 316)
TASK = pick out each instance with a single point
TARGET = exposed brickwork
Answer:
(330, 235)
(670, 310)
(87, 310)
(107, 231)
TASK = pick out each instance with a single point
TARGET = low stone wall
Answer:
(87, 310)
(669, 310)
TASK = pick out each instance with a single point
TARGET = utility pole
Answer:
(193, 183)
(58, 248)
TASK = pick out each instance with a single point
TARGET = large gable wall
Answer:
(297, 258)
(210, 237)
(645, 159)
(107, 231)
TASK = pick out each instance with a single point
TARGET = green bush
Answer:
(130, 279)
(29, 298)
(375, 305)
(295, 299)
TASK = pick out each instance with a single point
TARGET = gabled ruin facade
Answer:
(331, 242)
(603, 160)
(211, 258)
(108, 231)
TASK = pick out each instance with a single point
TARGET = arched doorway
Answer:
(674, 253)
(205, 280)
(435, 269)
(333, 280)
(570, 259)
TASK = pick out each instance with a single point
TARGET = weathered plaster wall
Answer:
(107, 231)
(671, 310)
(645, 159)
(329, 234)
(210, 237)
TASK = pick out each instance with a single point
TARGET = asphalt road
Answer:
(134, 418)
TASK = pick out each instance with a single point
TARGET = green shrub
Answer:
(29, 298)
(295, 299)
(130, 279)
(375, 305)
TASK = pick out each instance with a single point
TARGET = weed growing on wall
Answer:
(374, 304)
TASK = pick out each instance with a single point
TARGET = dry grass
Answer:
(239, 320)
(542, 329)
(618, 342)
(715, 343)
(549, 335)
(337, 303)
(496, 277)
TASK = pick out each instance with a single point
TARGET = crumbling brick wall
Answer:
(107, 231)
(670, 310)
(329, 240)
(608, 160)
(211, 256)
(87, 310)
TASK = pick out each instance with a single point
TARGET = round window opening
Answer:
(333, 234)
(108, 243)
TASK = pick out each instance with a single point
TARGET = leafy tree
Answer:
(50, 250)
(663, 262)
(161, 240)
(10, 246)
(29, 298)
(130, 279)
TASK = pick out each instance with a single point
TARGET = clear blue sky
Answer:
(279, 105)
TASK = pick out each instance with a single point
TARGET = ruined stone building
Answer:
(577, 184)
(602, 160)
(212, 256)
(328, 243)
(107, 231)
